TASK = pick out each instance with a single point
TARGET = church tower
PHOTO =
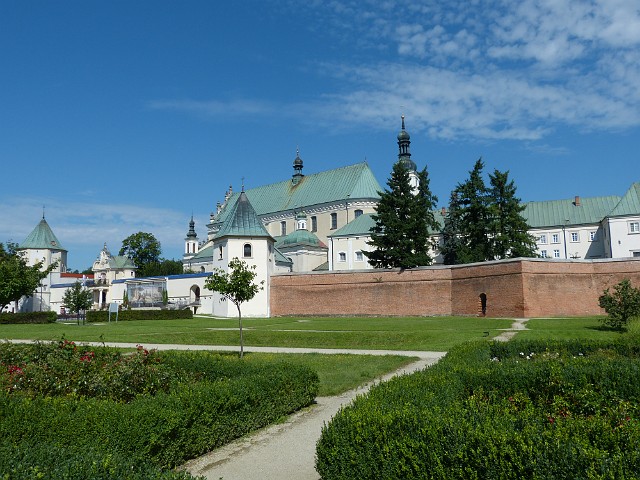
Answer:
(404, 156)
(190, 241)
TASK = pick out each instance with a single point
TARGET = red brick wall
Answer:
(514, 288)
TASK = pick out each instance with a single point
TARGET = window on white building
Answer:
(246, 251)
(359, 257)
(634, 227)
(543, 254)
(358, 213)
(636, 254)
(220, 252)
(575, 237)
(314, 224)
(283, 228)
(342, 257)
(334, 221)
(555, 238)
(592, 236)
(556, 254)
(542, 238)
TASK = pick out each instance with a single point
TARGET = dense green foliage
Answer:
(621, 305)
(28, 317)
(485, 223)
(237, 286)
(77, 298)
(187, 404)
(103, 315)
(143, 248)
(17, 278)
(536, 410)
(404, 221)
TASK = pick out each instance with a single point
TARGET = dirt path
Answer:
(518, 325)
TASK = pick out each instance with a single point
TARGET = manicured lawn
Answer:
(339, 373)
(380, 333)
(578, 328)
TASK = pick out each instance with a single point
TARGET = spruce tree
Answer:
(403, 218)
(509, 229)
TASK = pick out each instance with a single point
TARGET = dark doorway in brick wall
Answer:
(483, 304)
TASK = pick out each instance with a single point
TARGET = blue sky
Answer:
(126, 116)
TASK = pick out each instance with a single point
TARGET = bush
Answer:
(211, 400)
(496, 411)
(29, 317)
(622, 305)
(124, 315)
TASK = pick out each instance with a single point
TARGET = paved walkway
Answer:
(286, 451)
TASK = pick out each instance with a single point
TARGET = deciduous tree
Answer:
(143, 248)
(237, 286)
(77, 298)
(17, 278)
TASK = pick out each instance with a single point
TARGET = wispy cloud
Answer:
(82, 226)
(471, 69)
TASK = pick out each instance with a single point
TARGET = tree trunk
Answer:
(240, 324)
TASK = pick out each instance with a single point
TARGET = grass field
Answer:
(380, 333)
(583, 328)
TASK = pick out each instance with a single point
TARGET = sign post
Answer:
(113, 308)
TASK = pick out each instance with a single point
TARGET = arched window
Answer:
(358, 213)
(220, 251)
(246, 251)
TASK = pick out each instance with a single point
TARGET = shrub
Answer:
(211, 399)
(28, 317)
(622, 305)
(496, 411)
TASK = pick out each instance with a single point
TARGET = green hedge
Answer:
(216, 399)
(124, 315)
(496, 411)
(29, 317)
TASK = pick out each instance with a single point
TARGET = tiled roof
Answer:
(241, 220)
(354, 182)
(629, 204)
(41, 238)
(556, 213)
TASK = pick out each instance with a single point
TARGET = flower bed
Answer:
(144, 412)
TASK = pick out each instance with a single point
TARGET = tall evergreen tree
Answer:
(471, 219)
(509, 229)
(452, 240)
(403, 219)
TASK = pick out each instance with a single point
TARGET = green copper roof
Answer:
(280, 258)
(204, 254)
(42, 237)
(354, 182)
(629, 204)
(361, 226)
(121, 261)
(358, 226)
(241, 220)
(555, 213)
(300, 238)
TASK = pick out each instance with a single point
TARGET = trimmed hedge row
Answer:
(103, 315)
(219, 398)
(496, 411)
(28, 317)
